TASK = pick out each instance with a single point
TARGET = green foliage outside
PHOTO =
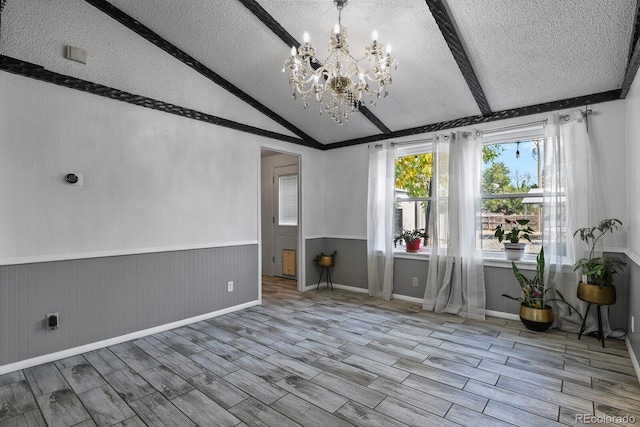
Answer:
(413, 174)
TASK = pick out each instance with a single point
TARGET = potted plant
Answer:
(513, 249)
(535, 314)
(596, 286)
(324, 260)
(411, 238)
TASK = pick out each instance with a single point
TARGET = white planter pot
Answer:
(514, 251)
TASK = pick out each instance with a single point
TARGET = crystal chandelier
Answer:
(340, 83)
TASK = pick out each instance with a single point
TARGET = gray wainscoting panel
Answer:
(498, 281)
(350, 267)
(404, 270)
(312, 248)
(619, 312)
(634, 306)
(101, 298)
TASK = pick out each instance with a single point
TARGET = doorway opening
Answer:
(280, 218)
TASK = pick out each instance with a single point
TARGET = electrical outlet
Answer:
(415, 282)
(230, 286)
(52, 321)
(633, 327)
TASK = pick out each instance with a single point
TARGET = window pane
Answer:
(288, 200)
(493, 215)
(411, 215)
(413, 175)
(512, 167)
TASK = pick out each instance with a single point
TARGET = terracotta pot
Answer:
(594, 295)
(536, 319)
(325, 261)
(514, 251)
(413, 245)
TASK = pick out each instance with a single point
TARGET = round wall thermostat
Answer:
(71, 178)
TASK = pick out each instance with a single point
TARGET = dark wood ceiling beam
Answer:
(450, 35)
(270, 22)
(194, 64)
(474, 120)
(634, 56)
(34, 71)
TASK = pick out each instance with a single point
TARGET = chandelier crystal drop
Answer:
(340, 83)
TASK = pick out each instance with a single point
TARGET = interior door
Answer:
(285, 220)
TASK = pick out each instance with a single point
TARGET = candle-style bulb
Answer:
(374, 35)
(336, 29)
(389, 48)
(305, 37)
(293, 51)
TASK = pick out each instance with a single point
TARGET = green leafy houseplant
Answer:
(410, 235)
(535, 314)
(516, 232)
(534, 289)
(599, 270)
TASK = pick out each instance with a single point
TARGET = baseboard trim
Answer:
(51, 357)
(337, 286)
(502, 315)
(407, 298)
(634, 359)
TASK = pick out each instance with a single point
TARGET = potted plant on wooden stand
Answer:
(596, 286)
(411, 239)
(535, 314)
(513, 249)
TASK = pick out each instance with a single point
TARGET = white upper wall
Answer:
(345, 181)
(633, 171)
(151, 180)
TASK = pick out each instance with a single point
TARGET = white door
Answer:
(285, 220)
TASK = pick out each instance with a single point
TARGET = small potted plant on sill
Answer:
(596, 286)
(411, 238)
(324, 260)
(535, 314)
(513, 249)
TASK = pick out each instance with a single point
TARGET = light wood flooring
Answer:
(324, 358)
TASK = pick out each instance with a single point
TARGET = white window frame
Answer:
(513, 135)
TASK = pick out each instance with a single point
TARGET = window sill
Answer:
(489, 259)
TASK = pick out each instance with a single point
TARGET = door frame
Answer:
(300, 253)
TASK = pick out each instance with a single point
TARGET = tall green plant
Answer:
(534, 290)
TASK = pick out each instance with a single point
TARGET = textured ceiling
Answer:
(522, 53)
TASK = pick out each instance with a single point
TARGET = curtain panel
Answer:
(380, 199)
(455, 280)
(570, 201)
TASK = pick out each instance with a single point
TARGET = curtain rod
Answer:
(565, 117)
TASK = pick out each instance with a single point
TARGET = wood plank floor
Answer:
(324, 358)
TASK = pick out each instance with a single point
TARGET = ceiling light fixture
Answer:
(340, 82)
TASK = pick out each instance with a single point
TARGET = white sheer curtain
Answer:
(380, 219)
(455, 280)
(570, 201)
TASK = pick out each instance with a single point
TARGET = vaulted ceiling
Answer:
(459, 61)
